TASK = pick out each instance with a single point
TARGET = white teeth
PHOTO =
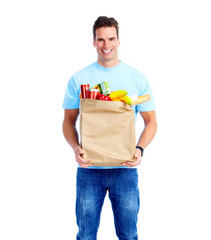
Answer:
(107, 51)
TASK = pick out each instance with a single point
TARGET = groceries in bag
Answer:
(102, 92)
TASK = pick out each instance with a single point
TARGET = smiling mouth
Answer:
(107, 51)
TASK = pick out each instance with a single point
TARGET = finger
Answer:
(86, 165)
(137, 156)
(85, 160)
(82, 159)
(127, 165)
(132, 164)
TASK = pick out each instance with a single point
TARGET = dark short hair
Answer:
(105, 22)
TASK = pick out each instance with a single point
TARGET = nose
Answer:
(106, 43)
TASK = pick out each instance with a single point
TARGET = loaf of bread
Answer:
(141, 99)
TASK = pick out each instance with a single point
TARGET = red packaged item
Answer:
(93, 93)
(103, 97)
(84, 90)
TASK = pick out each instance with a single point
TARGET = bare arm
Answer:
(71, 135)
(146, 136)
(149, 130)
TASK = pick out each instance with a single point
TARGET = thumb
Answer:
(79, 150)
(137, 153)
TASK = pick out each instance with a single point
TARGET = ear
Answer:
(118, 41)
(94, 42)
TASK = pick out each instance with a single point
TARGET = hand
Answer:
(137, 162)
(84, 163)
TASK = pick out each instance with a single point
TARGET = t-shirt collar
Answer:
(98, 66)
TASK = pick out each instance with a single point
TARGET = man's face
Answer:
(106, 44)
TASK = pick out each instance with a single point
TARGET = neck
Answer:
(108, 64)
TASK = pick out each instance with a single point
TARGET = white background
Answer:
(42, 44)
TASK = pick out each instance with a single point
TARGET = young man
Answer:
(121, 182)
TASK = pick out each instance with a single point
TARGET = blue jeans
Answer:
(92, 186)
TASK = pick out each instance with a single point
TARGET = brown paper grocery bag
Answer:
(107, 131)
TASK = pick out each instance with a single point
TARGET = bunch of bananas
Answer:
(121, 95)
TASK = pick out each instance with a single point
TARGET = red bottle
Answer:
(84, 90)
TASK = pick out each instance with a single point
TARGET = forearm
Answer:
(70, 134)
(147, 135)
(150, 129)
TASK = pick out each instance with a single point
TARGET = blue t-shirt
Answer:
(120, 77)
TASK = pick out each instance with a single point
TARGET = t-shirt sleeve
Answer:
(71, 98)
(145, 89)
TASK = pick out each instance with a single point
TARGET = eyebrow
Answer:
(111, 38)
